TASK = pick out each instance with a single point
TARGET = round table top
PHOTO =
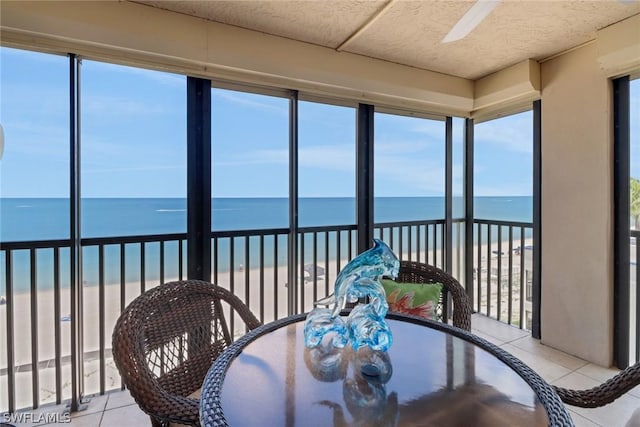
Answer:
(428, 377)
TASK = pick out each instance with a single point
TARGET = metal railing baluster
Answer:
(522, 278)
(11, 376)
(499, 278)
(56, 323)
(123, 287)
(261, 249)
(478, 248)
(510, 283)
(161, 263)
(35, 377)
(247, 271)
(143, 268)
(101, 322)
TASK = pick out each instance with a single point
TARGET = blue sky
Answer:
(134, 138)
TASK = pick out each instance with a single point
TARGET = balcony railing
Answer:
(35, 322)
(503, 271)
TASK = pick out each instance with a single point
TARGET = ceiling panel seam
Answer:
(366, 25)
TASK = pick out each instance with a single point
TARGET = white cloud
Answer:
(36, 139)
(400, 146)
(145, 168)
(514, 133)
(418, 175)
(434, 130)
(44, 102)
(408, 145)
(114, 106)
(503, 189)
(255, 157)
(331, 157)
(250, 101)
(161, 77)
(27, 55)
(410, 164)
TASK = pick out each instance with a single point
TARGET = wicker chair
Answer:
(605, 393)
(165, 341)
(415, 272)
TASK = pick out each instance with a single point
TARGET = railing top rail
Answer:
(34, 244)
(408, 223)
(252, 232)
(90, 241)
(96, 241)
(322, 228)
(635, 233)
(146, 238)
(503, 223)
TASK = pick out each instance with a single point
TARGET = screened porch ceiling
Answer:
(411, 32)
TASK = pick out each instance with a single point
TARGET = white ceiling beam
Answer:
(507, 90)
(618, 47)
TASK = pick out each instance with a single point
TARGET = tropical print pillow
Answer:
(418, 299)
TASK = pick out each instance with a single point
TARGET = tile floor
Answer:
(564, 370)
(117, 409)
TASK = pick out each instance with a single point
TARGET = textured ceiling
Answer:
(410, 32)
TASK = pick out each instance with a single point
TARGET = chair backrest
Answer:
(416, 272)
(165, 341)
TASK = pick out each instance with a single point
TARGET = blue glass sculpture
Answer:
(359, 279)
(366, 328)
(319, 323)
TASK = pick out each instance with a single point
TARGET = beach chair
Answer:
(452, 291)
(165, 341)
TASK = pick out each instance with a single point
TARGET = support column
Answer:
(537, 220)
(75, 253)
(468, 209)
(198, 179)
(448, 196)
(293, 205)
(621, 237)
(364, 177)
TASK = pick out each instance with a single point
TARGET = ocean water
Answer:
(25, 219)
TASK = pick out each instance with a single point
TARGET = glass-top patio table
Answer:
(433, 374)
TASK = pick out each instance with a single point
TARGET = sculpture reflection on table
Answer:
(365, 397)
(327, 363)
(365, 325)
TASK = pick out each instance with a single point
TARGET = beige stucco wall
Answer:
(577, 215)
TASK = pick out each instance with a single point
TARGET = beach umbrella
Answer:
(309, 268)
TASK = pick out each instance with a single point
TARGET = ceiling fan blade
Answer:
(471, 19)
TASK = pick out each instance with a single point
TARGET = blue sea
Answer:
(25, 219)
